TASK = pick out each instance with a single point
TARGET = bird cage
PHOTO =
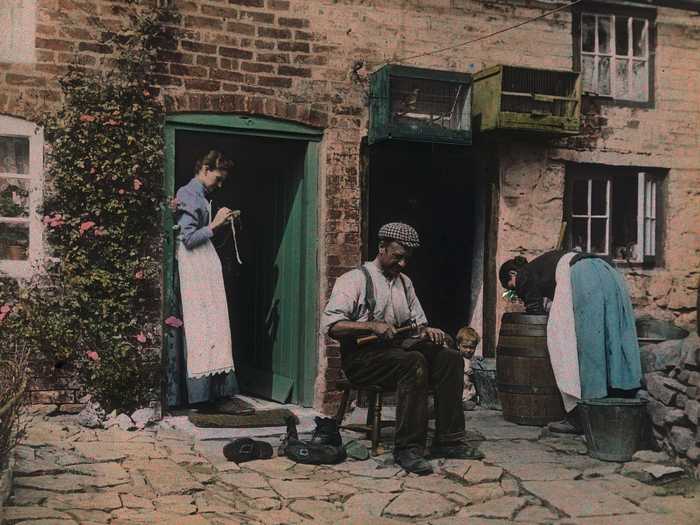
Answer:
(527, 99)
(409, 103)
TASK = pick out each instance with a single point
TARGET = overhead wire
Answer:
(484, 37)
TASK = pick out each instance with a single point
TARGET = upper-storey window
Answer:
(615, 52)
(21, 160)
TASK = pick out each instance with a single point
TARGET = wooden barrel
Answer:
(526, 385)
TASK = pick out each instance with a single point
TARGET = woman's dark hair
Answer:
(214, 160)
(514, 264)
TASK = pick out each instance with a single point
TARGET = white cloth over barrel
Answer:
(561, 336)
(204, 311)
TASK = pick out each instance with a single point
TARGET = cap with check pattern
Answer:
(401, 233)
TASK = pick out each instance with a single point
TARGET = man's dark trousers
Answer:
(411, 372)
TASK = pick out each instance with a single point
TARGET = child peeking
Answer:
(467, 341)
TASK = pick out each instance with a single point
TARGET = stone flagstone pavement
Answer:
(66, 474)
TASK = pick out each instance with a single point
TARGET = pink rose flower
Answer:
(174, 322)
(4, 311)
(87, 118)
(121, 192)
(86, 226)
(139, 275)
(112, 122)
(141, 338)
(137, 184)
(92, 355)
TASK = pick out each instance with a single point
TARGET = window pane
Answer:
(598, 197)
(598, 227)
(14, 241)
(588, 33)
(587, 70)
(639, 81)
(579, 234)
(14, 197)
(624, 218)
(621, 36)
(603, 34)
(639, 38)
(622, 78)
(604, 76)
(14, 155)
(579, 206)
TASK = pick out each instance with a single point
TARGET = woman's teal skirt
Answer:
(606, 335)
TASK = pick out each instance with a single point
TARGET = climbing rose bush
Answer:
(97, 303)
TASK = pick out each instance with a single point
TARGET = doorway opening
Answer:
(433, 188)
(272, 295)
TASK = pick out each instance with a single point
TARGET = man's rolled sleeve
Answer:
(342, 305)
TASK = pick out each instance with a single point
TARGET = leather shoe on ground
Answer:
(246, 449)
(411, 461)
(456, 451)
(564, 427)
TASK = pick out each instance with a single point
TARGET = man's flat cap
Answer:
(401, 233)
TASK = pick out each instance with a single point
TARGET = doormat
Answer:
(264, 418)
(233, 406)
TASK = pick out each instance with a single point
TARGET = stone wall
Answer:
(672, 379)
(308, 61)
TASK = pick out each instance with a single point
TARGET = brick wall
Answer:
(307, 61)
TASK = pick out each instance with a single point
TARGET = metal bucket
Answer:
(613, 427)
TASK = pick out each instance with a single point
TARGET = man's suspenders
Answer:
(370, 301)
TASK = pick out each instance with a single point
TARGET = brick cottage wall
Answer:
(308, 61)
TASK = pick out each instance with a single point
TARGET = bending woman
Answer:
(204, 307)
(589, 291)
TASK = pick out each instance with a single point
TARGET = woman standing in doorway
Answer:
(591, 332)
(208, 349)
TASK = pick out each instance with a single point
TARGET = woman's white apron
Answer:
(204, 311)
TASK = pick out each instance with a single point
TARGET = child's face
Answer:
(467, 348)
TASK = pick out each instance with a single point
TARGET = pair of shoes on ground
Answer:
(412, 461)
(324, 448)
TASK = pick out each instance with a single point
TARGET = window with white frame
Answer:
(21, 165)
(613, 212)
(615, 56)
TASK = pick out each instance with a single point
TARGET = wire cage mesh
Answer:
(429, 103)
(409, 103)
(538, 91)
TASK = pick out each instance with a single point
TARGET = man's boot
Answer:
(411, 461)
(326, 432)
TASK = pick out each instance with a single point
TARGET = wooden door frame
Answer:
(305, 374)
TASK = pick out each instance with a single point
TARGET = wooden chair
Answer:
(374, 424)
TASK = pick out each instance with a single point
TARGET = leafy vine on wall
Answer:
(96, 303)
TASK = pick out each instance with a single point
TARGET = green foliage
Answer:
(97, 303)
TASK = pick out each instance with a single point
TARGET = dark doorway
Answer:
(431, 187)
(267, 294)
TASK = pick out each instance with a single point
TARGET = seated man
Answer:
(378, 299)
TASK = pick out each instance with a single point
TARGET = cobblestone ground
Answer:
(68, 474)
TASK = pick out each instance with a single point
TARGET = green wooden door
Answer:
(275, 303)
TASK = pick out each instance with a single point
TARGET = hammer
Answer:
(373, 338)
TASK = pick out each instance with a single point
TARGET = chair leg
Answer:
(377, 423)
(340, 415)
(371, 402)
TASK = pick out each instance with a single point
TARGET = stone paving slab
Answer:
(162, 475)
(581, 498)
